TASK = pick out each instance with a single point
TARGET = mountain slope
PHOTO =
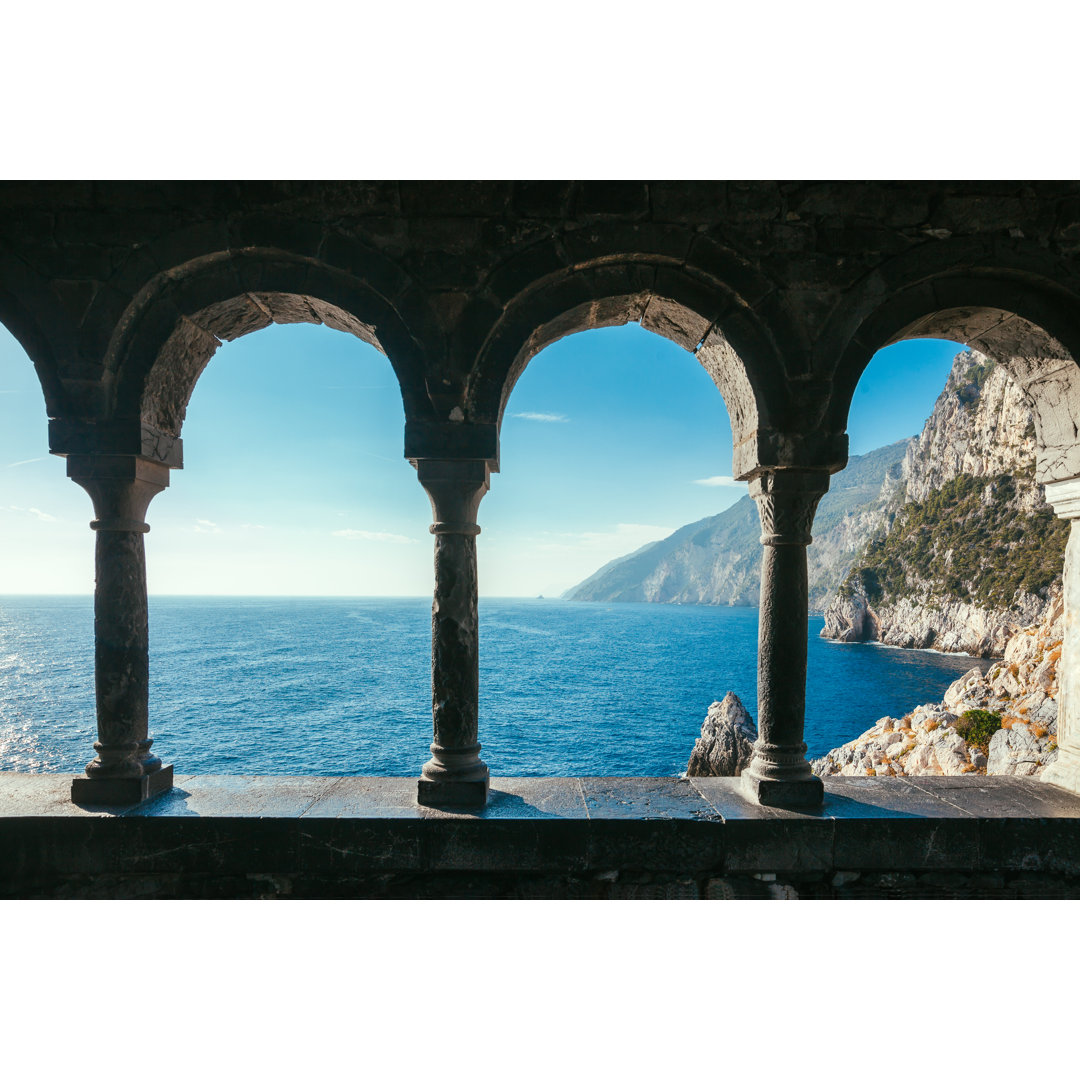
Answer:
(718, 560)
(707, 562)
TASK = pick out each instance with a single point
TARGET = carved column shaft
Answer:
(455, 775)
(1064, 496)
(121, 488)
(779, 773)
(782, 648)
(121, 655)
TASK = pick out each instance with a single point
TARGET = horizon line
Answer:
(284, 596)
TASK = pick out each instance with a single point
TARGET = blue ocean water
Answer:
(281, 686)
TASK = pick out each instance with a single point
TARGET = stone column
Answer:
(1064, 496)
(124, 770)
(455, 775)
(779, 774)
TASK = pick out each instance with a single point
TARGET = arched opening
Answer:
(966, 554)
(592, 663)
(309, 427)
(289, 567)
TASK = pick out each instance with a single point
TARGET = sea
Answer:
(328, 687)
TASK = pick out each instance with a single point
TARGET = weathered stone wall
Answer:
(781, 287)
(628, 884)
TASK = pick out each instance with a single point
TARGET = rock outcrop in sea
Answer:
(968, 548)
(1001, 723)
(727, 740)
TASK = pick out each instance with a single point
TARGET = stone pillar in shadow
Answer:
(779, 774)
(124, 771)
(1064, 496)
(455, 775)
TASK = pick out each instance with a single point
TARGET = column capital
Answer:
(1064, 496)
(455, 487)
(129, 438)
(768, 450)
(786, 500)
(444, 439)
(121, 487)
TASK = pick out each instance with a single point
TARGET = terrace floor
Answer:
(613, 837)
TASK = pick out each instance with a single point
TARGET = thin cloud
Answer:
(33, 511)
(718, 481)
(248, 525)
(378, 537)
(28, 461)
(542, 417)
(204, 526)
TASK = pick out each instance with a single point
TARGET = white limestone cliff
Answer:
(966, 586)
(925, 621)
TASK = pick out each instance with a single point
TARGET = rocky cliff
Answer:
(718, 560)
(968, 549)
(1001, 722)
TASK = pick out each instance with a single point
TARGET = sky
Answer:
(294, 481)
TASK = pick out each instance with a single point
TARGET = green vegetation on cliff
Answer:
(974, 381)
(966, 541)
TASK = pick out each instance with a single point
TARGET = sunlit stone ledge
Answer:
(219, 836)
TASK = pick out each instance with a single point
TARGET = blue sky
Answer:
(294, 481)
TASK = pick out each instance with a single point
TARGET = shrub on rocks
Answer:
(978, 726)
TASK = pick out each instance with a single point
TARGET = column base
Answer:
(121, 791)
(804, 793)
(452, 792)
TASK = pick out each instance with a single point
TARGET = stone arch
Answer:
(696, 311)
(1027, 326)
(174, 325)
